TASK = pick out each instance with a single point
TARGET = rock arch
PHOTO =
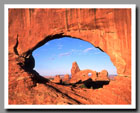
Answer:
(28, 29)
(107, 29)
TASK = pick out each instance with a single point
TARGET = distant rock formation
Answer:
(66, 77)
(94, 75)
(75, 68)
(57, 79)
(102, 76)
(83, 75)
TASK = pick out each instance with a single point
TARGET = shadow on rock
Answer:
(92, 84)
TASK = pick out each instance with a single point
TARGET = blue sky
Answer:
(56, 57)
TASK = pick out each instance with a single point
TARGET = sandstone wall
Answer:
(107, 29)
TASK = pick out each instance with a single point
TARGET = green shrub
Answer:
(83, 86)
(64, 83)
(91, 87)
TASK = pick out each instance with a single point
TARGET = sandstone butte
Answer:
(28, 29)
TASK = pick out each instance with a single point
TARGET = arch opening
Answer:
(58, 54)
(89, 74)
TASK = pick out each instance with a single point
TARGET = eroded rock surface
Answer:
(94, 75)
(66, 78)
(83, 75)
(57, 79)
(102, 76)
(75, 68)
(107, 29)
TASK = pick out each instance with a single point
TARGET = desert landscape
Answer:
(106, 29)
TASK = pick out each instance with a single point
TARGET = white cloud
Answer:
(65, 54)
(88, 49)
(97, 52)
(75, 50)
(59, 46)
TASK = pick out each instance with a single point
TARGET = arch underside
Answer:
(105, 29)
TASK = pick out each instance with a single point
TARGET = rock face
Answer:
(83, 75)
(66, 78)
(107, 29)
(57, 79)
(28, 29)
(74, 69)
(102, 76)
(94, 76)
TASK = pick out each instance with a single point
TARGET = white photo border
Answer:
(133, 58)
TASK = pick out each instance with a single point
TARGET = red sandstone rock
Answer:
(66, 77)
(57, 79)
(74, 69)
(31, 28)
(102, 76)
(94, 75)
(82, 76)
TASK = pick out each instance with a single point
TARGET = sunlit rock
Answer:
(57, 79)
(74, 69)
(107, 29)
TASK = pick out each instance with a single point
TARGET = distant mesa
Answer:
(83, 75)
